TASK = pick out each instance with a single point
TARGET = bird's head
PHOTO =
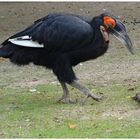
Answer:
(115, 27)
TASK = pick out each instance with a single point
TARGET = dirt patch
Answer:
(121, 114)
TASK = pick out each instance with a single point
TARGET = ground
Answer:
(28, 94)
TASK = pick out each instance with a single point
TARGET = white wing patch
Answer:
(26, 41)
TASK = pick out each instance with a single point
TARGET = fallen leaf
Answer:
(72, 126)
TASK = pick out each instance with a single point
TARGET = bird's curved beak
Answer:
(119, 31)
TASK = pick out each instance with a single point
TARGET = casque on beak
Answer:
(117, 28)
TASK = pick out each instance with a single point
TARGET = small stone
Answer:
(27, 120)
(32, 90)
(87, 12)
(120, 118)
(120, 17)
(104, 9)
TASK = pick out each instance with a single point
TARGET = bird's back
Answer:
(59, 33)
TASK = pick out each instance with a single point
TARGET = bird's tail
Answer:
(6, 50)
(21, 55)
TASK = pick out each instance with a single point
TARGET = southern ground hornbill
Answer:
(60, 41)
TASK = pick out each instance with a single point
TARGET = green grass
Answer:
(36, 114)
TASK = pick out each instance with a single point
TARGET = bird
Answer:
(137, 97)
(60, 41)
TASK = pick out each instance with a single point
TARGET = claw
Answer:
(96, 98)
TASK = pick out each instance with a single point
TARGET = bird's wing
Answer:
(26, 41)
(25, 32)
(56, 32)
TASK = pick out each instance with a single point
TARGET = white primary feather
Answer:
(26, 41)
(24, 37)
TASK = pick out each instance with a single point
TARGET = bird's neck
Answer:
(96, 48)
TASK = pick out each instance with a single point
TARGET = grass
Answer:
(25, 113)
(29, 114)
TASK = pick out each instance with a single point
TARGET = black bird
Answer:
(137, 97)
(60, 41)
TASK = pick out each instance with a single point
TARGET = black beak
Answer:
(119, 31)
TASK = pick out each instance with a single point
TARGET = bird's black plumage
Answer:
(68, 40)
(60, 41)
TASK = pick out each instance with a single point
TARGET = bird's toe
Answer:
(96, 98)
(67, 101)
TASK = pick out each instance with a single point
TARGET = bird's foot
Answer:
(67, 100)
(94, 97)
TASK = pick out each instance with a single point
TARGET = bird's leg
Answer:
(85, 91)
(65, 91)
(65, 96)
